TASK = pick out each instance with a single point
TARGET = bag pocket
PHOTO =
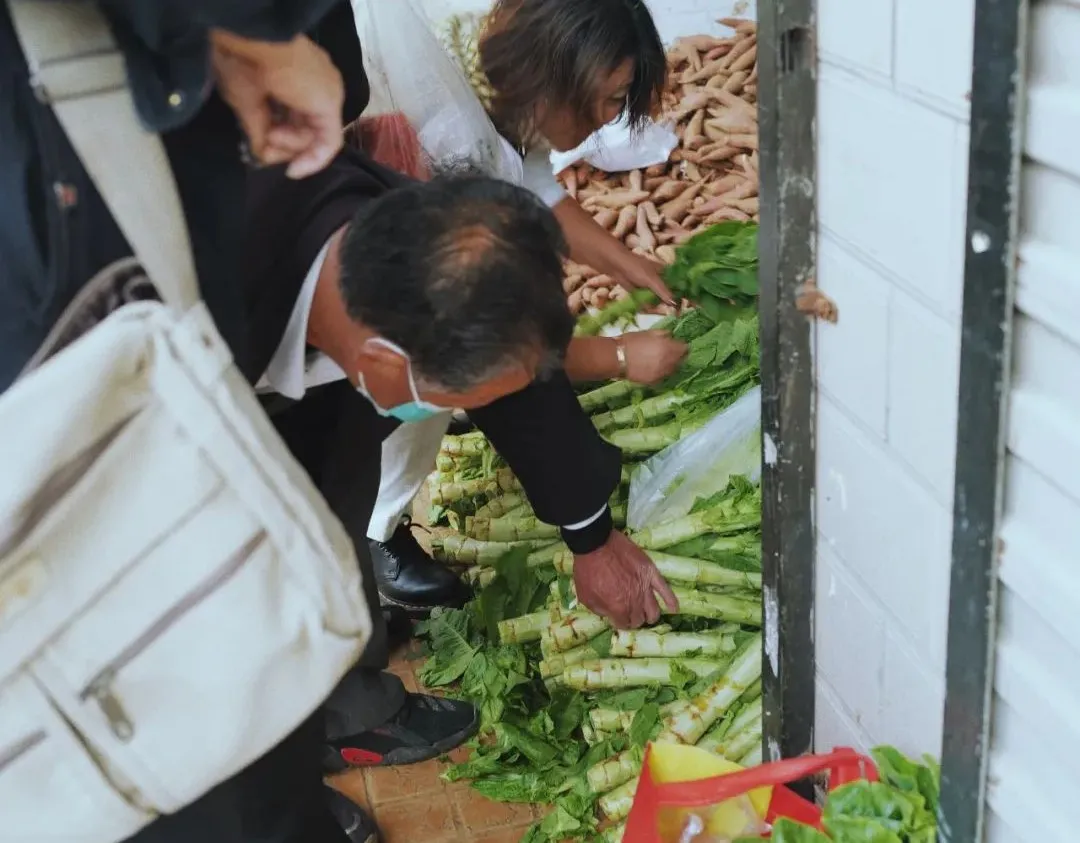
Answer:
(51, 788)
(199, 660)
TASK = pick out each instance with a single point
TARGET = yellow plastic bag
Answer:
(743, 816)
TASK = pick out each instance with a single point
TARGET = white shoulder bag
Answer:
(175, 595)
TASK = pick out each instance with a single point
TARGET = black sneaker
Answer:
(356, 824)
(425, 728)
(409, 578)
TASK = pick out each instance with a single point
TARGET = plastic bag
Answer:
(615, 149)
(666, 485)
(412, 75)
(686, 793)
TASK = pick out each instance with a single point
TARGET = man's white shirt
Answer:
(292, 370)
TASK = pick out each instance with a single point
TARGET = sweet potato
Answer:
(645, 236)
(616, 199)
(743, 62)
(652, 214)
(626, 221)
(744, 46)
(692, 136)
(678, 208)
(735, 82)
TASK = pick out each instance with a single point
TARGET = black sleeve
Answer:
(167, 49)
(568, 472)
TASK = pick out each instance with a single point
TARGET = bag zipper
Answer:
(99, 689)
(13, 753)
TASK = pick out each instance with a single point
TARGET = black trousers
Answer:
(281, 797)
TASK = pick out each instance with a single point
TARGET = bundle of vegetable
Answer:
(900, 808)
(567, 704)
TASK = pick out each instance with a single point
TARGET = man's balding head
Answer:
(463, 273)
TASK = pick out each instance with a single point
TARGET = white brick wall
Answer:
(892, 169)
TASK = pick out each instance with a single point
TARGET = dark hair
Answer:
(558, 50)
(463, 272)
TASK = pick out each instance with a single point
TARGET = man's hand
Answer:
(619, 582)
(651, 355)
(288, 98)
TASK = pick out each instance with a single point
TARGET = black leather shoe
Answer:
(409, 578)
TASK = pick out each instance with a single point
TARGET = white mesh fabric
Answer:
(412, 74)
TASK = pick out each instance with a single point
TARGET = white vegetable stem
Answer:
(628, 673)
(689, 726)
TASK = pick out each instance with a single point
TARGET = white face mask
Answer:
(416, 410)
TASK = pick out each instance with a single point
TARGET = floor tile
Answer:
(390, 784)
(430, 820)
(478, 814)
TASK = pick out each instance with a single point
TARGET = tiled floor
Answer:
(413, 804)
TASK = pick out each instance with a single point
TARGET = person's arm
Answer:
(568, 472)
(591, 244)
(644, 357)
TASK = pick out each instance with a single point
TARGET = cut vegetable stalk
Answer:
(616, 805)
(448, 493)
(614, 394)
(680, 569)
(469, 445)
(610, 720)
(512, 528)
(614, 834)
(600, 674)
(523, 629)
(718, 607)
(731, 516)
(748, 719)
(466, 551)
(615, 771)
(502, 505)
(577, 628)
(591, 325)
(556, 663)
(645, 643)
(689, 726)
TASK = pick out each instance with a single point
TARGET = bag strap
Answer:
(77, 69)
(844, 765)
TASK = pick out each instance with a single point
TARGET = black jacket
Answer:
(55, 233)
(567, 470)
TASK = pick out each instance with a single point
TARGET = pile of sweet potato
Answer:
(711, 176)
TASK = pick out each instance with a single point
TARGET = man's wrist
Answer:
(592, 536)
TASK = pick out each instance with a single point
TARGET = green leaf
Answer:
(644, 724)
(447, 631)
(567, 710)
(789, 831)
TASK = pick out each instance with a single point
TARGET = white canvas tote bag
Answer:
(175, 595)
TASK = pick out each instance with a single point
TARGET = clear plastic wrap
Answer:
(424, 97)
(666, 486)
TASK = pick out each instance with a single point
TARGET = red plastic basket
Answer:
(843, 765)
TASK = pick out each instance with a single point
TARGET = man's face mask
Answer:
(416, 410)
